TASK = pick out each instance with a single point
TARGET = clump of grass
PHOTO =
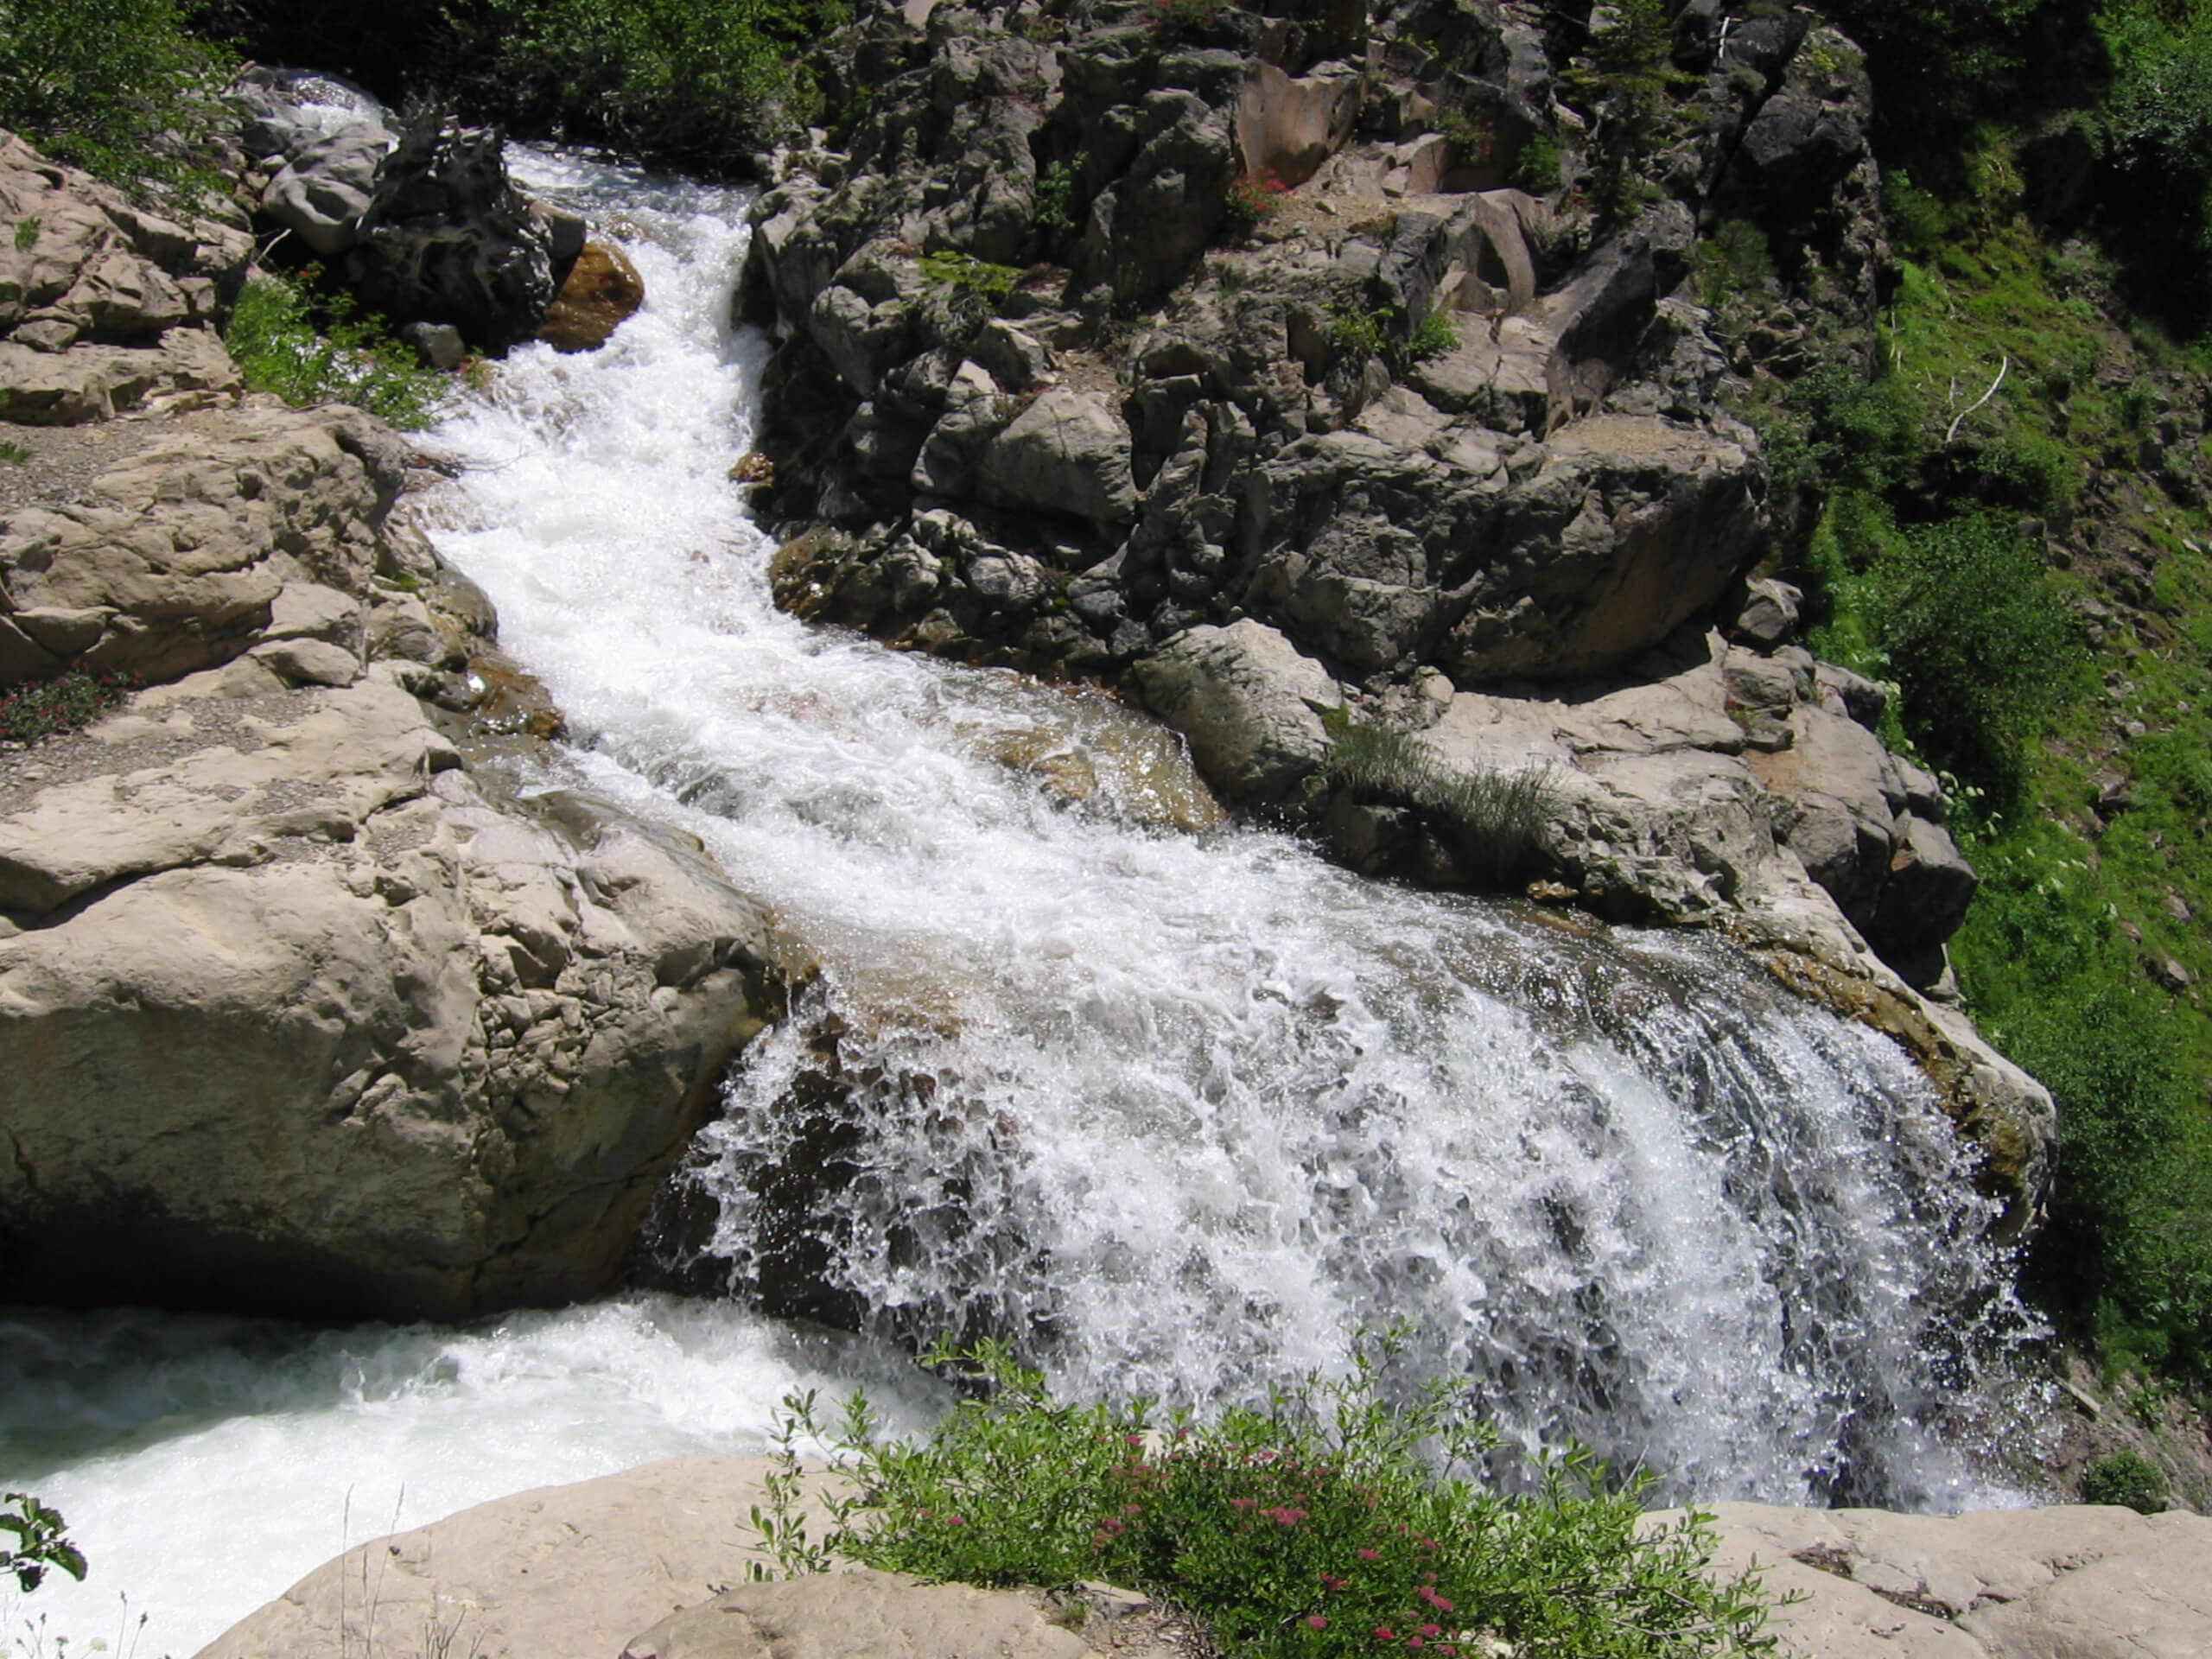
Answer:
(68, 702)
(318, 350)
(1331, 1521)
(14, 454)
(1493, 815)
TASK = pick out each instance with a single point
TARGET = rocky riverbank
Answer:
(303, 1009)
(1220, 359)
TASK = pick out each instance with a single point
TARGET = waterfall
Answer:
(1181, 1107)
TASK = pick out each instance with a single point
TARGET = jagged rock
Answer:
(321, 193)
(601, 289)
(1769, 616)
(1249, 703)
(283, 111)
(448, 237)
(104, 305)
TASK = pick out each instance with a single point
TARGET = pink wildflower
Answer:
(1384, 1633)
(1370, 1555)
(1317, 1621)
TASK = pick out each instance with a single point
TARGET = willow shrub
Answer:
(1329, 1522)
(706, 81)
(117, 87)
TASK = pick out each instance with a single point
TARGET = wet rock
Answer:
(601, 289)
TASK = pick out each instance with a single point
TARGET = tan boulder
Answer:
(295, 1017)
(601, 290)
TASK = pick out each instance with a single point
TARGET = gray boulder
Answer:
(1247, 703)
(321, 193)
(1066, 453)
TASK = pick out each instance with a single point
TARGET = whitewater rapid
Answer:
(1179, 1111)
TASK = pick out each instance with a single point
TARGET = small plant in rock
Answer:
(1471, 132)
(1437, 335)
(1328, 1521)
(69, 702)
(1185, 19)
(1357, 332)
(1494, 815)
(1056, 198)
(13, 454)
(41, 1542)
(1254, 200)
(2128, 1479)
(970, 274)
(26, 232)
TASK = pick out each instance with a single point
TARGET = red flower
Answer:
(1370, 1555)
(1384, 1633)
(1317, 1621)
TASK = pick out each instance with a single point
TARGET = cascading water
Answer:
(1180, 1112)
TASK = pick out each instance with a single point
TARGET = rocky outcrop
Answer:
(561, 1572)
(447, 237)
(300, 1010)
(1447, 453)
(104, 306)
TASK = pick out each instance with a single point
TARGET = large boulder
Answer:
(296, 1017)
(601, 290)
(1249, 703)
(171, 559)
(449, 237)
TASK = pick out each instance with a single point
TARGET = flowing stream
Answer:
(1180, 1109)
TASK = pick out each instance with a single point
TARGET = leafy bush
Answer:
(68, 702)
(1437, 335)
(2128, 1479)
(318, 350)
(41, 1542)
(1056, 200)
(1329, 1522)
(1979, 640)
(708, 81)
(116, 87)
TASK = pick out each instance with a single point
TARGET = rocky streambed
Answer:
(329, 986)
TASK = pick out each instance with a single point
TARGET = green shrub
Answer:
(1329, 1522)
(1437, 335)
(68, 702)
(1056, 200)
(116, 87)
(1977, 636)
(318, 350)
(970, 274)
(709, 81)
(2128, 1479)
(13, 454)
(41, 1542)
(1253, 199)
(1535, 167)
